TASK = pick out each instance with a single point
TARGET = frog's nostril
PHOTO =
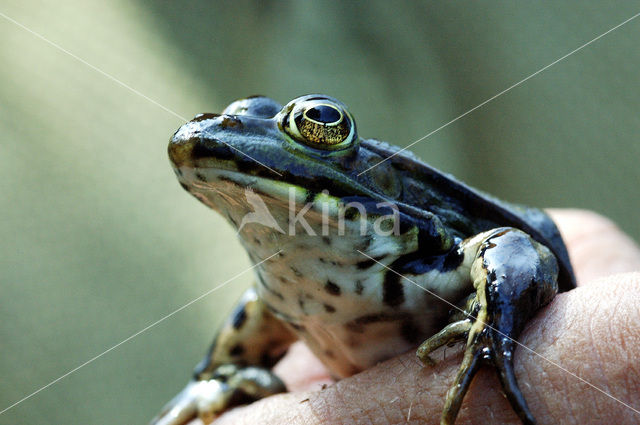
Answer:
(230, 121)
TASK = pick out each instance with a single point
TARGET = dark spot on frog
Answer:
(326, 240)
(237, 350)
(257, 241)
(330, 354)
(359, 287)
(365, 264)
(239, 317)
(229, 121)
(296, 271)
(329, 308)
(392, 289)
(185, 187)
(201, 177)
(301, 304)
(332, 288)
(283, 280)
(333, 263)
(178, 171)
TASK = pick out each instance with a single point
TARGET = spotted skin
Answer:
(357, 294)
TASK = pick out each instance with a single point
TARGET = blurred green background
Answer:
(98, 239)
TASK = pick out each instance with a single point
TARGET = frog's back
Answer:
(467, 211)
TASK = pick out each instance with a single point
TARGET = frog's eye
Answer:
(319, 122)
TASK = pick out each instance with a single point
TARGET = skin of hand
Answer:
(586, 338)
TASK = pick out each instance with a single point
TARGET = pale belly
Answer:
(354, 318)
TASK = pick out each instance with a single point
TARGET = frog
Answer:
(359, 249)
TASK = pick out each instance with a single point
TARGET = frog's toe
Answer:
(206, 399)
(453, 332)
(486, 344)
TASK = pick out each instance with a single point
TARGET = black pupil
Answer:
(323, 113)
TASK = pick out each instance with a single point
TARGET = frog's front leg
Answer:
(513, 277)
(236, 369)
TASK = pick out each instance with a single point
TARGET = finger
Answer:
(597, 247)
(301, 370)
(401, 390)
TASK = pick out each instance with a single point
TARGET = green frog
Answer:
(359, 249)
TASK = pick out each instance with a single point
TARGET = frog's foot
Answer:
(513, 276)
(206, 399)
(483, 344)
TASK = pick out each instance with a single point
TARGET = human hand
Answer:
(586, 338)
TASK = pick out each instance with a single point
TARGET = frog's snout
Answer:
(182, 143)
(205, 137)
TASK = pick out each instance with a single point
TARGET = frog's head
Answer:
(312, 143)
(309, 147)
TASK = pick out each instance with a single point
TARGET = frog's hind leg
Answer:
(513, 276)
(236, 369)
